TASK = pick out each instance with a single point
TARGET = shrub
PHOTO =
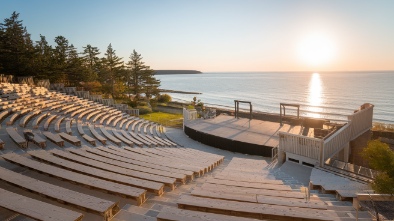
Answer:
(92, 86)
(153, 103)
(133, 104)
(144, 110)
(381, 158)
(164, 98)
(142, 103)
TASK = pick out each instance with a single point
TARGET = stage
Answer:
(241, 135)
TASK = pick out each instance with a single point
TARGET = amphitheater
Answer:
(69, 158)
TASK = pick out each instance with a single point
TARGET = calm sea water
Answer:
(329, 95)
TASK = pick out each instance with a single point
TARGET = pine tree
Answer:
(113, 66)
(91, 61)
(44, 60)
(75, 70)
(60, 60)
(140, 78)
(16, 48)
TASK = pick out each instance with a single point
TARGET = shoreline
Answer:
(178, 92)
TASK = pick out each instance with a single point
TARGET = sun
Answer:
(316, 49)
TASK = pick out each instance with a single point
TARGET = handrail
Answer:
(320, 150)
(301, 145)
(360, 122)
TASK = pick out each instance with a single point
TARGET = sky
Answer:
(223, 35)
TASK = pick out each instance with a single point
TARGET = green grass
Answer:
(166, 119)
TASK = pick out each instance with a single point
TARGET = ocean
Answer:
(328, 95)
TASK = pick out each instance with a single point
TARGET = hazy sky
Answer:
(223, 35)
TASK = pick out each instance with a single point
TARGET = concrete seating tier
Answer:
(170, 182)
(89, 139)
(48, 121)
(55, 138)
(91, 182)
(80, 128)
(186, 162)
(98, 116)
(151, 186)
(25, 119)
(34, 209)
(122, 138)
(175, 214)
(144, 162)
(130, 166)
(86, 112)
(38, 119)
(97, 135)
(96, 205)
(198, 171)
(16, 137)
(71, 139)
(57, 123)
(135, 141)
(68, 126)
(253, 210)
(139, 139)
(135, 123)
(110, 137)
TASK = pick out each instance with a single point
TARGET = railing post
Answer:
(322, 153)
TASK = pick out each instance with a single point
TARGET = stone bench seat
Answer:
(113, 155)
(170, 182)
(97, 135)
(254, 210)
(151, 186)
(71, 139)
(115, 188)
(34, 208)
(135, 167)
(16, 137)
(93, 204)
(55, 138)
(110, 137)
(89, 139)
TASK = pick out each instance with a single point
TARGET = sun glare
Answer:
(316, 49)
(315, 95)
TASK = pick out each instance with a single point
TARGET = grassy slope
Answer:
(166, 119)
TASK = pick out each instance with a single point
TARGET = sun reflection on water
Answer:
(315, 95)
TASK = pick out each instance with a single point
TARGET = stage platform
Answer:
(241, 135)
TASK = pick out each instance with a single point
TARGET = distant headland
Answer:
(164, 72)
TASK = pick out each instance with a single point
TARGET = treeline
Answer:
(62, 63)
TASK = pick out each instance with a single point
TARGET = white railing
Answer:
(359, 122)
(336, 141)
(304, 146)
(319, 149)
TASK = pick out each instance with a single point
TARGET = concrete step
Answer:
(124, 215)
(22, 218)
(135, 209)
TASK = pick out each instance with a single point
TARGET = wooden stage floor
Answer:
(263, 133)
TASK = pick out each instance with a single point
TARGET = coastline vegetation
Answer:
(383, 127)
